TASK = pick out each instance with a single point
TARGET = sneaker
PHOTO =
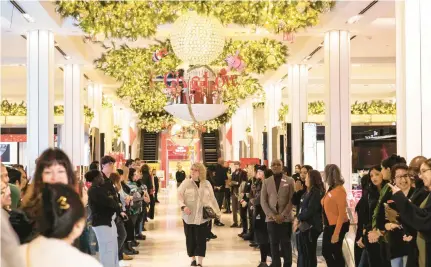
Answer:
(193, 263)
(124, 264)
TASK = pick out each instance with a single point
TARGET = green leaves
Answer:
(134, 19)
(375, 107)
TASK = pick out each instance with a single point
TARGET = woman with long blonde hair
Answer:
(199, 206)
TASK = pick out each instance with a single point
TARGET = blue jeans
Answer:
(399, 262)
(108, 245)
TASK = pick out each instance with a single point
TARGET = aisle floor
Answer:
(165, 245)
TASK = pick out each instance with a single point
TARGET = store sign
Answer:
(197, 83)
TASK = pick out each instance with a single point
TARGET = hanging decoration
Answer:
(105, 102)
(159, 54)
(134, 19)
(197, 39)
(373, 107)
(235, 62)
(257, 105)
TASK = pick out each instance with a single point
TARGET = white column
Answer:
(413, 78)
(272, 105)
(298, 108)
(258, 126)
(338, 145)
(73, 114)
(40, 94)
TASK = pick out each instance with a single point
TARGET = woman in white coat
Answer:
(62, 221)
(194, 195)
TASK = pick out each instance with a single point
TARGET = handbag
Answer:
(304, 226)
(208, 213)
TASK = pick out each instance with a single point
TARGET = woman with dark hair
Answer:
(61, 221)
(418, 218)
(156, 185)
(139, 202)
(147, 180)
(361, 209)
(309, 216)
(378, 218)
(125, 243)
(243, 197)
(397, 234)
(335, 218)
(260, 231)
(103, 212)
(300, 187)
(53, 166)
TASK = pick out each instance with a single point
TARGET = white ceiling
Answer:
(372, 51)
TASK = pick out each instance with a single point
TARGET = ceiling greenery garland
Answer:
(134, 19)
(135, 68)
(374, 107)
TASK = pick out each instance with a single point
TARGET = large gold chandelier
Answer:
(197, 40)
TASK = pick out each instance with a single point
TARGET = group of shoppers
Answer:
(393, 227)
(106, 209)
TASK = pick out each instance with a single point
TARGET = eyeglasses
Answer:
(424, 171)
(402, 176)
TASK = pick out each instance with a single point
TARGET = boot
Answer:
(127, 257)
(135, 243)
(129, 250)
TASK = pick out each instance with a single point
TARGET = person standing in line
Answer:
(334, 217)
(195, 195)
(227, 190)
(103, 211)
(219, 185)
(180, 175)
(156, 185)
(107, 164)
(276, 202)
(297, 173)
(235, 183)
(309, 216)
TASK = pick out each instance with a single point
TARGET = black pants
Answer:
(152, 205)
(280, 235)
(265, 251)
(307, 245)
(333, 253)
(196, 239)
(227, 198)
(219, 195)
(244, 220)
(139, 222)
(251, 220)
(130, 228)
(122, 235)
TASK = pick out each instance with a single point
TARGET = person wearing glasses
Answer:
(276, 201)
(194, 195)
(416, 217)
(397, 234)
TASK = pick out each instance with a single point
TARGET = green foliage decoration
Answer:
(105, 102)
(88, 114)
(257, 105)
(13, 109)
(117, 131)
(373, 107)
(260, 55)
(134, 19)
(282, 113)
(59, 110)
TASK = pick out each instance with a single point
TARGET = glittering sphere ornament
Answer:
(197, 40)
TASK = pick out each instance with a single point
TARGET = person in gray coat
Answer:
(276, 202)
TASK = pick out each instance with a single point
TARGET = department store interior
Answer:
(241, 84)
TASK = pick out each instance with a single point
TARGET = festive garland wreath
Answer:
(374, 107)
(134, 19)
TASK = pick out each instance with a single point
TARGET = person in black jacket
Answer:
(300, 187)
(362, 211)
(147, 180)
(180, 175)
(107, 164)
(103, 207)
(156, 185)
(310, 221)
(219, 185)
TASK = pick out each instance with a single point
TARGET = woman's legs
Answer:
(108, 246)
(264, 252)
(333, 253)
(244, 222)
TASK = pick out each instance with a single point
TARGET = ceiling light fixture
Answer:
(354, 19)
(28, 18)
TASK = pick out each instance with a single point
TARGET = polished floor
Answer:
(165, 244)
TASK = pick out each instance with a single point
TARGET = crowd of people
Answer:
(106, 209)
(280, 213)
(103, 211)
